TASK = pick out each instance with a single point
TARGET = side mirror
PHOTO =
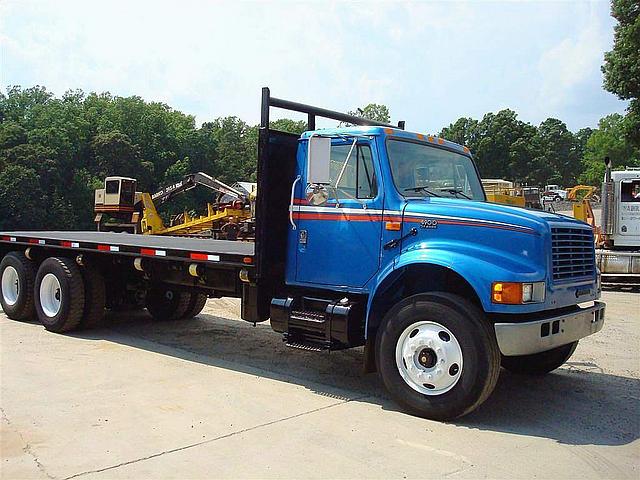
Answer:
(318, 160)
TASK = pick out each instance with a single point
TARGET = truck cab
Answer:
(626, 229)
(386, 239)
(619, 255)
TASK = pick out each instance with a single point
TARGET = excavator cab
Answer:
(115, 205)
(118, 195)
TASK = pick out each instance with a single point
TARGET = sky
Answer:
(429, 62)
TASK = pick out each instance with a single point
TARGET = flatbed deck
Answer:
(150, 245)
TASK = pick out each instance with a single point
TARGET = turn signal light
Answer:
(512, 293)
(506, 292)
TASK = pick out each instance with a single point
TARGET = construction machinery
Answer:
(505, 193)
(581, 197)
(120, 208)
(618, 252)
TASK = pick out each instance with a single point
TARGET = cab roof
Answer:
(388, 132)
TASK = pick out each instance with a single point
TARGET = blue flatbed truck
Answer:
(365, 235)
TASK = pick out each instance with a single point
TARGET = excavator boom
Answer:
(191, 181)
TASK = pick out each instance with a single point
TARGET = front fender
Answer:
(480, 267)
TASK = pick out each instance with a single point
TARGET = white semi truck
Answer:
(619, 256)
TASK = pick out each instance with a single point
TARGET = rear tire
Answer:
(17, 274)
(437, 356)
(196, 304)
(94, 298)
(165, 302)
(59, 293)
(540, 363)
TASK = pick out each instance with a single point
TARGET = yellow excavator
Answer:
(120, 208)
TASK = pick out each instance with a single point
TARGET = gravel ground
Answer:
(215, 397)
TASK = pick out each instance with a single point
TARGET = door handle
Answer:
(293, 191)
(396, 241)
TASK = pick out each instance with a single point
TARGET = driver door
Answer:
(339, 242)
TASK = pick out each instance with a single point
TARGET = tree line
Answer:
(54, 152)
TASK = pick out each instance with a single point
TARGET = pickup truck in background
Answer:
(554, 193)
(365, 236)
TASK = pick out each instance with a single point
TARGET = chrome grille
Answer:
(573, 253)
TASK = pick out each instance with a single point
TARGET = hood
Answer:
(515, 238)
(489, 212)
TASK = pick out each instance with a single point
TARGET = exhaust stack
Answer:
(608, 201)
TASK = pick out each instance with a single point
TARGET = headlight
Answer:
(515, 293)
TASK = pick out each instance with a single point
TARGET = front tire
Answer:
(437, 356)
(60, 295)
(17, 274)
(540, 363)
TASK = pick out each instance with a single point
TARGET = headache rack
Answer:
(276, 167)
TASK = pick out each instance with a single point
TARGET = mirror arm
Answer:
(346, 160)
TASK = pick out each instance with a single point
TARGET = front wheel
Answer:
(437, 356)
(540, 363)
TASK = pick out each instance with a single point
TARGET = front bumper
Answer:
(541, 335)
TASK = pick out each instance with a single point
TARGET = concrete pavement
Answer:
(215, 397)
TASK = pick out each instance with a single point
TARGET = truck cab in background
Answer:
(619, 255)
(554, 193)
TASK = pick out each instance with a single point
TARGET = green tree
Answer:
(504, 146)
(11, 134)
(464, 132)
(622, 64)
(607, 141)
(372, 111)
(23, 205)
(288, 125)
(557, 150)
(234, 161)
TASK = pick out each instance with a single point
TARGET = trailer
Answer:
(365, 236)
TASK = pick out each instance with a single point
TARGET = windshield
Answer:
(420, 169)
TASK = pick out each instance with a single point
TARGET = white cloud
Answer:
(429, 62)
(572, 61)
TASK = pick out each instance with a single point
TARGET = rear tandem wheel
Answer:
(17, 274)
(59, 294)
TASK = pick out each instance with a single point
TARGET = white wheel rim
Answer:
(50, 295)
(10, 285)
(429, 358)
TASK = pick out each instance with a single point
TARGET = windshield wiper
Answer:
(422, 188)
(455, 191)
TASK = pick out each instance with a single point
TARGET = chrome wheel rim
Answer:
(429, 358)
(10, 285)
(50, 295)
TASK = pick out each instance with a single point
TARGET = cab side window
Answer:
(356, 178)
